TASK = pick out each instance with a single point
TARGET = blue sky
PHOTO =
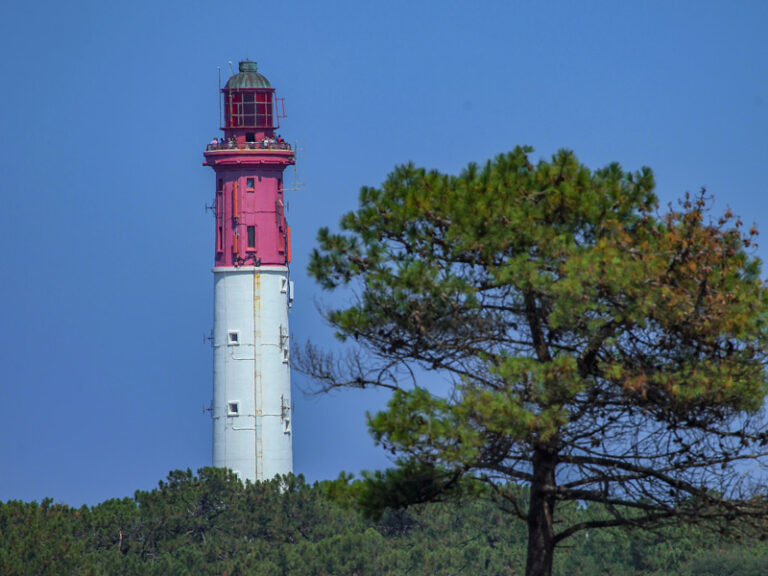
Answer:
(107, 249)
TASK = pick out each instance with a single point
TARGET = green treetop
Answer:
(596, 350)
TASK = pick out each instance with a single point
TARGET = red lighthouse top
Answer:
(250, 105)
(249, 161)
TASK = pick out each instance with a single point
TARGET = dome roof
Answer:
(248, 77)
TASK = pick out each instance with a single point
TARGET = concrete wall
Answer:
(251, 372)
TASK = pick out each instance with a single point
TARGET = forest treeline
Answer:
(209, 523)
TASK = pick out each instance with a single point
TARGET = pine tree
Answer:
(597, 351)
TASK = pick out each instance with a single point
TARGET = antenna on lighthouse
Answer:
(298, 185)
(218, 94)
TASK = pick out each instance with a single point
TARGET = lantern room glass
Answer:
(249, 109)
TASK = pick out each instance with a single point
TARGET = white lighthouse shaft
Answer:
(251, 371)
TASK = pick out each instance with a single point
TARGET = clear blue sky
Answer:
(106, 248)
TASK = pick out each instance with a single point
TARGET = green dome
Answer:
(248, 77)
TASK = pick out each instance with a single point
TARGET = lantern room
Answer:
(250, 106)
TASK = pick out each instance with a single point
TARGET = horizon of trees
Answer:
(211, 523)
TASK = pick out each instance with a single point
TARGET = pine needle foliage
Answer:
(597, 349)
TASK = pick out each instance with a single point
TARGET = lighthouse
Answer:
(251, 406)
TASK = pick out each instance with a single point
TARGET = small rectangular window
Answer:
(233, 408)
(233, 338)
(220, 240)
(221, 184)
(252, 237)
(250, 183)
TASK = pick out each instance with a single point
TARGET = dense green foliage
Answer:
(546, 325)
(211, 523)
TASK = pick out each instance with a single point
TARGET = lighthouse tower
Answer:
(252, 289)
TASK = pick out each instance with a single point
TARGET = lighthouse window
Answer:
(251, 237)
(233, 408)
(250, 183)
(249, 109)
(233, 338)
(264, 109)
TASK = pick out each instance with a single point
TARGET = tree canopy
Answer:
(598, 350)
(211, 523)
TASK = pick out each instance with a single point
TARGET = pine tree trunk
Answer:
(541, 535)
